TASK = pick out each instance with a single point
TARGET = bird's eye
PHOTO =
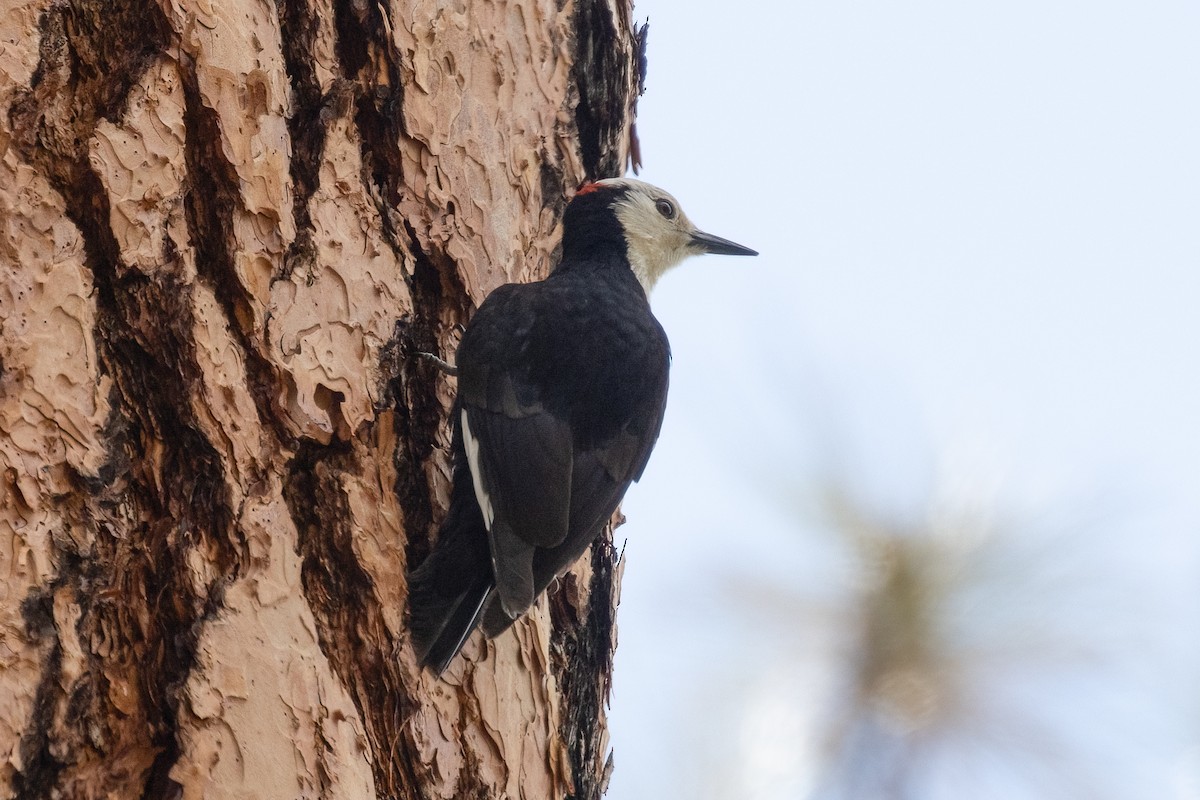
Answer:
(665, 208)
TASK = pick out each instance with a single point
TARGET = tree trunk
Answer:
(227, 228)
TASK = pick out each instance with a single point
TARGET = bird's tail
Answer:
(446, 594)
(448, 591)
(443, 614)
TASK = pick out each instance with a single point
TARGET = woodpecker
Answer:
(562, 384)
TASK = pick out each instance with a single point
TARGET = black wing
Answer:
(522, 469)
(562, 387)
(599, 479)
(518, 451)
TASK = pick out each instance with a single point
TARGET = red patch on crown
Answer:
(587, 187)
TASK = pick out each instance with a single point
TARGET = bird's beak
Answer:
(707, 243)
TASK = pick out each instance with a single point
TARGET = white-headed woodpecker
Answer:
(562, 385)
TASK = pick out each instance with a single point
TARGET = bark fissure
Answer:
(211, 196)
(353, 634)
(602, 78)
(582, 657)
(368, 57)
(41, 766)
(412, 391)
(307, 124)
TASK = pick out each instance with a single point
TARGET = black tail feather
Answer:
(448, 591)
(440, 624)
(494, 619)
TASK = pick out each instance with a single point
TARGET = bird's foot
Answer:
(444, 366)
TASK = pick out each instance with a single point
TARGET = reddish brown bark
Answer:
(226, 229)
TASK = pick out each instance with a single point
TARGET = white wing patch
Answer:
(481, 495)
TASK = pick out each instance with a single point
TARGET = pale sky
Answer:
(980, 268)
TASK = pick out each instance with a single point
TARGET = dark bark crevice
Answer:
(602, 75)
(368, 57)
(582, 656)
(312, 111)
(412, 390)
(350, 623)
(210, 196)
(41, 767)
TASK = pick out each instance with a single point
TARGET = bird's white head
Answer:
(658, 234)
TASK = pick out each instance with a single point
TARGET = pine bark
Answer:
(227, 230)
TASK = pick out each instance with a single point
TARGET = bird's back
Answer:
(583, 344)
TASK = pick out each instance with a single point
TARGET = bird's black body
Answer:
(561, 392)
